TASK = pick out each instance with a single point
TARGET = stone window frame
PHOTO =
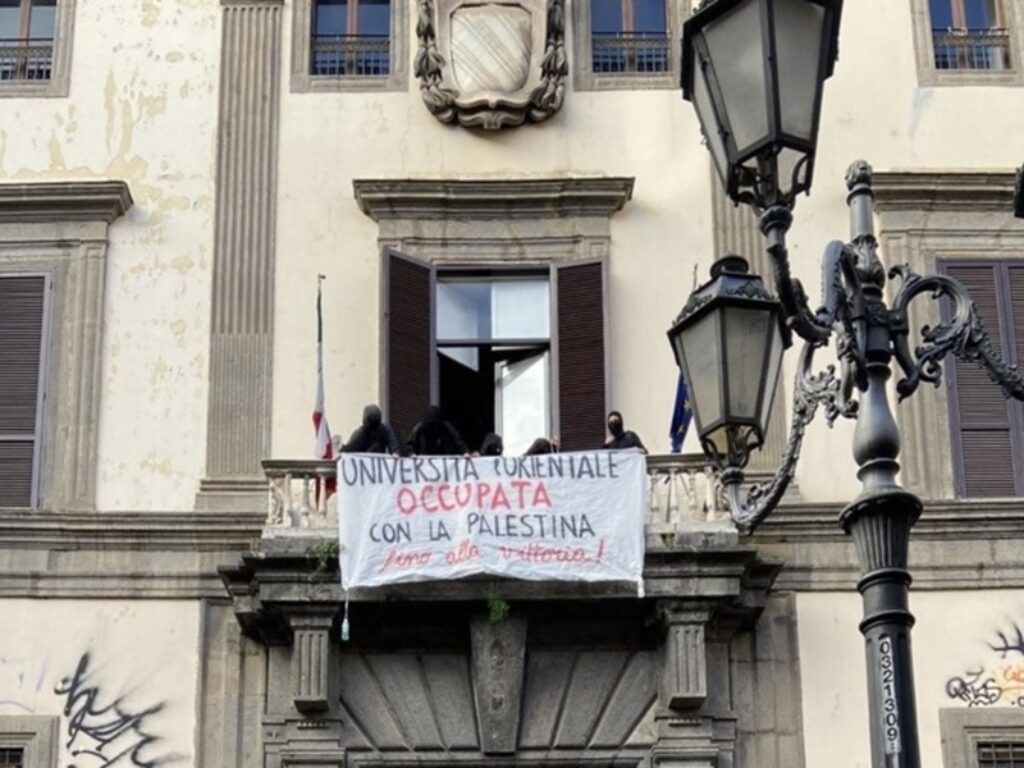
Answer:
(37, 735)
(59, 83)
(962, 729)
(61, 229)
(926, 218)
(928, 75)
(304, 82)
(585, 79)
(448, 223)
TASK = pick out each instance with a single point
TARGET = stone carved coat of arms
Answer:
(491, 64)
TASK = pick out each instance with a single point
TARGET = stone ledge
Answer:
(382, 199)
(977, 191)
(61, 201)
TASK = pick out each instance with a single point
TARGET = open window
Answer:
(517, 350)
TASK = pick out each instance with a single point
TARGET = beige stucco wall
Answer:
(94, 663)
(952, 636)
(873, 109)
(142, 108)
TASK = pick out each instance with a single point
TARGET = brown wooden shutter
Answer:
(408, 318)
(22, 302)
(984, 450)
(581, 355)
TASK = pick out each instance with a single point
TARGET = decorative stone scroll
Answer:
(490, 65)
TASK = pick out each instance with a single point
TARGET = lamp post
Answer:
(755, 72)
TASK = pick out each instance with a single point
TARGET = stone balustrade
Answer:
(684, 492)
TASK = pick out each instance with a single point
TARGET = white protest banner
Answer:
(562, 516)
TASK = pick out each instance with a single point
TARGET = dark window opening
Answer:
(22, 303)
(993, 754)
(629, 36)
(27, 29)
(351, 38)
(493, 354)
(970, 34)
(12, 757)
(988, 429)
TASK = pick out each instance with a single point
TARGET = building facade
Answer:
(509, 203)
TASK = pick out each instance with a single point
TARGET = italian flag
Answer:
(324, 448)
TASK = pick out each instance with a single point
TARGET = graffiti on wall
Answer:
(998, 682)
(21, 681)
(102, 735)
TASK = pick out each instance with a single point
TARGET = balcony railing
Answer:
(629, 52)
(26, 59)
(971, 48)
(351, 55)
(684, 491)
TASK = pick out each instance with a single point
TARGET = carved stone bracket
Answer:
(499, 653)
(311, 661)
(684, 678)
(491, 65)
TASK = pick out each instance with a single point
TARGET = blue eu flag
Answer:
(682, 414)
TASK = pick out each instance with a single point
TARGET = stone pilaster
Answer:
(241, 343)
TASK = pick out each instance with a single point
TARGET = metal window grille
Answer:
(971, 48)
(26, 59)
(630, 52)
(12, 757)
(993, 754)
(351, 55)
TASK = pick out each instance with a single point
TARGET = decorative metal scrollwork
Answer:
(964, 335)
(811, 391)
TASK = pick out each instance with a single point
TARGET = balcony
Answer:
(26, 59)
(684, 495)
(971, 49)
(350, 56)
(629, 52)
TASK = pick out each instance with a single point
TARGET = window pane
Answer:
(521, 401)
(605, 16)
(493, 309)
(44, 15)
(649, 16)
(10, 19)
(330, 17)
(463, 310)
(375, 17)
(520, 309)
(980, 14)
(941, 14)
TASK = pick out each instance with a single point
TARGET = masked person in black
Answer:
(540, 446)
(434, 436)
(492, 445)
(620, 436)
(373, 436)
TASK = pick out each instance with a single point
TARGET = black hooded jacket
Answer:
(373, 436)
(434, 436)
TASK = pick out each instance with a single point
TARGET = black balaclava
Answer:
(371, 417)
(615, 424)
(492, 445)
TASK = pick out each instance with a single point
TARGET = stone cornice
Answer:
(980, 191)
(383, 199)
(142, 531)
(46, 201)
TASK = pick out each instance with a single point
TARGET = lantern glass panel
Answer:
(748, 336)
(799, 25)
(772, 369)
(709, 121)
(736, 48)
(702, 357)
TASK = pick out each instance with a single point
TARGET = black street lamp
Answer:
(755, 70)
